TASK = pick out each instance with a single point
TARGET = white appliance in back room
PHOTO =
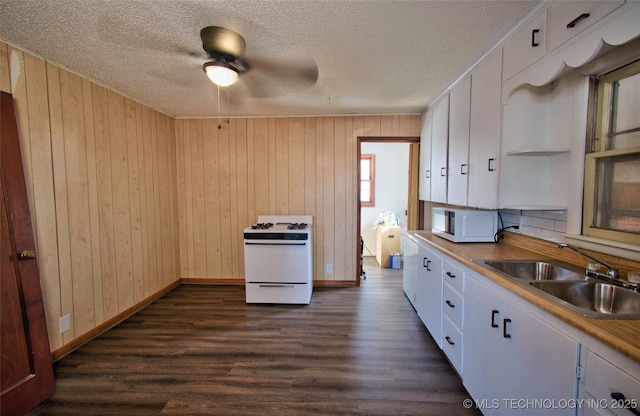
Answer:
(278, 259)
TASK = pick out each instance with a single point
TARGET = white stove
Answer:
(278, 259)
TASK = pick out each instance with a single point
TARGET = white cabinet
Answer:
(460, 139)
(424, 181)
(615, 390)
(439, 146)
(526, 46)
(410, 269)
(458, 147)
(569, 18)
(484, 133)
(429, 298)
(510, 354)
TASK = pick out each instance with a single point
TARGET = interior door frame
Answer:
(414, 177)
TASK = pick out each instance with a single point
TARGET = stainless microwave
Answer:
(464, 225)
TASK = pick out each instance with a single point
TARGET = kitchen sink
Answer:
(534, 269)
(593, 298)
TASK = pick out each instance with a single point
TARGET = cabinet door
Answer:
(512, 357)
(424, 181)
(483, 348)
(439, 143)
(429, 303)
(484, 133)
(569, 18)
(410, 270)
(539, 362)
(458, 158)
(526, 46)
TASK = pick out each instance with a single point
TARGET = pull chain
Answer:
(219, 125)
(228, 105)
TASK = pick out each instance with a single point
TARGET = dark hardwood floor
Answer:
(202, 350)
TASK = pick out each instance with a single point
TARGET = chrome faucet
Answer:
(611, 270)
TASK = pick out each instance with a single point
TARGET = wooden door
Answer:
(27, 375)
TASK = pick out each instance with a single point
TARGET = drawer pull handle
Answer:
(451, 275)
(624, 403)
(463, 169)
(575, 21)
(427, 174)
(534, 42)
(449, 341)
(443, 171)
(451, 305)
(490, 166)
(505, 334)
(493, 318)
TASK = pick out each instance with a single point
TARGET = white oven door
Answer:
(277, 261)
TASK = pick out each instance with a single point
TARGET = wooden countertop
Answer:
(622, 335)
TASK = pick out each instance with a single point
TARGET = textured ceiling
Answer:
(373, 57)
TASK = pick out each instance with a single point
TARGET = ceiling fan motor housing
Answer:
(220, 42)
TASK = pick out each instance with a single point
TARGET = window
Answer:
(612, 167)
(367, 180)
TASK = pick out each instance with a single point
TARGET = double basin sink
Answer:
(569, 286)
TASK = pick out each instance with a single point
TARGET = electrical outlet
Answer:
(328, 268)
(65, 323)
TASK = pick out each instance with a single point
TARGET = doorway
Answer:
(396, 187)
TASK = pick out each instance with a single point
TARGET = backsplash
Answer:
(548, 225)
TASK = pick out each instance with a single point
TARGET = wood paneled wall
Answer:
(254, 166)
(126, 200)
(101, 178)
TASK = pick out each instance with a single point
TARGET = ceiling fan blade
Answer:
(268, 79)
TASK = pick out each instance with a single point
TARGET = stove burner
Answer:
(262, 226)
(297, 226)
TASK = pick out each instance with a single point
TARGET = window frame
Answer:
(596, 150)
(372, 181)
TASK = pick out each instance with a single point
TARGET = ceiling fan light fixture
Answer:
(220, 73)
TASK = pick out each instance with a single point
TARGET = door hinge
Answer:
(579, 372)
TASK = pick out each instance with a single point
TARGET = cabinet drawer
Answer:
(602, 378)
(453, 275)
(452, 343)
(452, 305)
(569, 18)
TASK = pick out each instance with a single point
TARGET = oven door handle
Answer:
(274, 285)
(274, 244)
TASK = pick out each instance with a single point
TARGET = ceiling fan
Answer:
(226, 50)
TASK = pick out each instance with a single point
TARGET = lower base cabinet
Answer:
(514, 363)
(429, 302)
(605, 388)
(512, 357)
(410, 269)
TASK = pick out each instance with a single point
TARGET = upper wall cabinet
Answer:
(484, 133)
(424, 182)
(439, 147)
(460, 139)
(575, 34)
(569, 18)
(458, 148)
(526, 46)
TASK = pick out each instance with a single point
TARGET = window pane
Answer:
(365, 169)
(365, 195)
(618, 200)
(626, 107)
